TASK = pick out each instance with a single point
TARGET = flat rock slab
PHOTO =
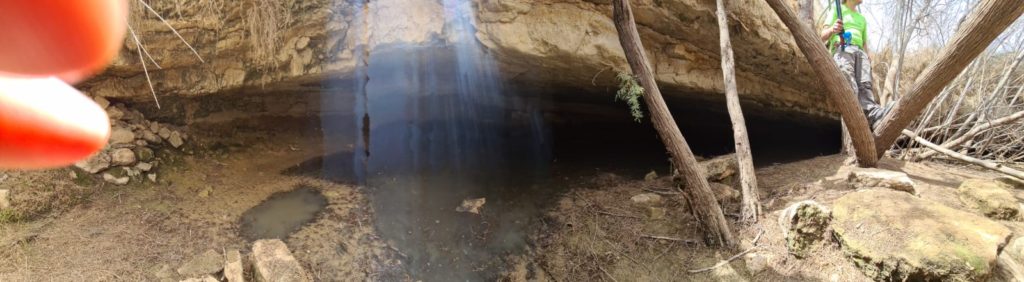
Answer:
(867, 178)
(892, 235)
(993, 198)
(272, 261)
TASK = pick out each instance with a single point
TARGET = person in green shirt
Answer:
(853, 60)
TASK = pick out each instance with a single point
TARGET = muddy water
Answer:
(282, 213)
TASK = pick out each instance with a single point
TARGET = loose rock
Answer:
(151, 137)
(144, 154)
(867, 178)
(142, 166)
(655, 213)
(724, 193)
(803, 224)
(164, 133)
(1010, 264)
(121, 135)
(471, 205)
(992, 198)
(272, 261)
(233, 267)
(123, 156)
(651, 176)
(646, 199)
(721, 167)
(151, 177)
(175, 139)
(103, 102)
(208, 262)
(115, 113)
(5, 198)
(756, 262)
(114, 179)
(96, 163)
(892, 235)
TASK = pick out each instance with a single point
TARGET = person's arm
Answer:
(827, 32)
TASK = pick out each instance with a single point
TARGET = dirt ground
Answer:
(72, 227)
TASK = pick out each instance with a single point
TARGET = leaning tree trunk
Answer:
(838, 88)
(988, 19)
(750, 205)
(702, 201)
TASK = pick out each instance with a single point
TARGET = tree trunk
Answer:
(988, 19)
(750, 205)
(838, 88)
(702, 201)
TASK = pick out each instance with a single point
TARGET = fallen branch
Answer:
(977, 129)
(732, 258)
(619, 215)
(986, 164)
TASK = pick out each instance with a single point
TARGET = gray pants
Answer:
(859, 76)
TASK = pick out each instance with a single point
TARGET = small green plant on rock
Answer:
(630, 91)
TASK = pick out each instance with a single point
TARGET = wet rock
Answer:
(724, 193)
(803, 224)
(892, 235)
(721, 167)
(5, 198)
(208, 262)
(651, 176)
(272, 261)
(110, 178)
(175, 139)
(121, 135)
(867, 178)
(646, 199)
(151, 137)
(144, 154)
(471, 205)
(103, 102)
(96, 163)
(233, 266)
(142, 166)
(992, 198)
(123, 156)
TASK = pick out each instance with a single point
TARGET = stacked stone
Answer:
(130, 153)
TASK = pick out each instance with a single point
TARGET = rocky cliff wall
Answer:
(293, 46)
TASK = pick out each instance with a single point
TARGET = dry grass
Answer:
(264, 20)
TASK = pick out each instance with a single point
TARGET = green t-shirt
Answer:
(853, 22)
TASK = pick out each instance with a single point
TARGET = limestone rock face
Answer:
(892, 235)
(803, 224)
(563, 43)
(992, 198)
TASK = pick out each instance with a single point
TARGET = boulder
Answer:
(272, 261)
(233, 266)
(894, 236)
(867, 178)
(803, 224)
(992, 198)
(5, 198)
(95, 164)
(646, 199)
(208, 262)
(122, 156)
(721, 167)
(121, 135)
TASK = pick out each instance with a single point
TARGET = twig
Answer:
(606, 273)
(668, 238)
(986, 164)
(661, 192)
(619, 215)
(732, 258)
(144, 68)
